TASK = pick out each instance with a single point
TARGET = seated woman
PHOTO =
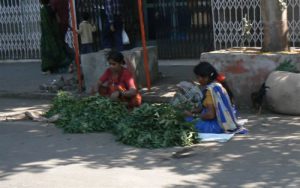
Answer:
(118, 83)
(217, 113)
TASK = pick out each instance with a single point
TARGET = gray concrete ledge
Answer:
(21, 61)
(147, 98)
(26, 95)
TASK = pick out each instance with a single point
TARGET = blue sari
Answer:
(225, 120)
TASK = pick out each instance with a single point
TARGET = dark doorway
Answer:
(181, 28)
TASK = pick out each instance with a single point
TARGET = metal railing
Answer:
(20, 30)
(183, 28)
(228, 23)
(97, 16)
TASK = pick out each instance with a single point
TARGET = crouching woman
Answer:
(118, 83)
(216, 113)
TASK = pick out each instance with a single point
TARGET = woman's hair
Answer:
(116, 56)
(205, 69)
(44, 2)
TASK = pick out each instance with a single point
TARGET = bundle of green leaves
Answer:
(90, 114)
(149, 126)
(155, 126)
(287, 66)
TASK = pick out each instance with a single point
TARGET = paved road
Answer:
(23, 77)
(37, 155)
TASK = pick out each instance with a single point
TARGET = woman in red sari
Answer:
(118, 83)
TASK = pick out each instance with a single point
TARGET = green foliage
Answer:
(150, 126)
(287, 66)
(155, 126)
(60, 103)
(90, 114)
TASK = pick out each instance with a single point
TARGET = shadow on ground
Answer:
(268, 156)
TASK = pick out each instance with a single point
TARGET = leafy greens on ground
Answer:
(149, 126)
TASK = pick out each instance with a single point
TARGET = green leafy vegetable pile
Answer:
(287, 66)
(149, 126)
(155, 126)
(90, 114)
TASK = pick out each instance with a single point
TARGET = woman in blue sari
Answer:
(216, 114)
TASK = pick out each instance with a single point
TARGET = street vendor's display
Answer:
(90, 114)
(150, 126)
(155, 126)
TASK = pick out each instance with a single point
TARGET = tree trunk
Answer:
(275, 26)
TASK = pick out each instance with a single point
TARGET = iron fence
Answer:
(95, 9)
(228, 23)
(183, 29)
(19, 29)
(179, 28)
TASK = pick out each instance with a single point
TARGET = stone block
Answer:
(283, 94)
(247, 70)
(94, 64)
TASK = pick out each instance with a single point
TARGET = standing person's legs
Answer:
(118, 41)
(86, 48)
(107, 36)
(90, 48)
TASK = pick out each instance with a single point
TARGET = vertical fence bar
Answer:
(20, 32)
(145, 50)
(25, 32)
(75, 42)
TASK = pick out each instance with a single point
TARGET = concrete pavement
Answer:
(39, 155)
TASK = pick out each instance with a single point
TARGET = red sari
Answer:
(61, 8)
(122, 83)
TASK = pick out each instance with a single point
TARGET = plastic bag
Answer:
(125, 37)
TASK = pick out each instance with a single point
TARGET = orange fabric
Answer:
(134, 101)
(221, 77)
(61, 7)
(125, 80)
(123, 83)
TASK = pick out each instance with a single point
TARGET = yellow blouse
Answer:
(208, 99)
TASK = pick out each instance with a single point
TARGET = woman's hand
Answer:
(187, 113)
(196, 110)
(210, 113)
(128, 93)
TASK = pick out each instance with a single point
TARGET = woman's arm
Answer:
(102, 81)
(210, 113)
(99, 83)
(208, 104)
(129, 93)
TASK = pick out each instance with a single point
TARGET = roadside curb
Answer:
(27, 95)
(49, 96)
